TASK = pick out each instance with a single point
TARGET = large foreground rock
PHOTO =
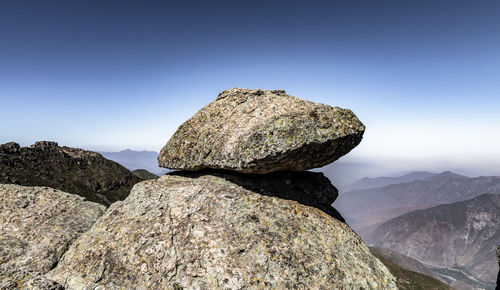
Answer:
(259, 131)
(37, 225)
(206, 232)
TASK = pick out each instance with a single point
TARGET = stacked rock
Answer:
(260, 131)
(241, 214)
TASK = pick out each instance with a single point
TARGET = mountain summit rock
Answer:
(261, 131)
(242, 215)
(215, 231)
(37, 225)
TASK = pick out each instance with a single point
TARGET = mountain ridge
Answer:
(409, 277)
(450, 238)
(374, 182)
(368, 207)
(73, 170)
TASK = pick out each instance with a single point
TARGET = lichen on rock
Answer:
(37, 225)
(207, 232)
(261, 131)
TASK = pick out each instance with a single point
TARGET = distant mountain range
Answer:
(368, 182)
(133, 160)
(457, 241)
(364, 208)
(344, 173)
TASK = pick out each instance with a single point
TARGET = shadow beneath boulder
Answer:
(308, 188)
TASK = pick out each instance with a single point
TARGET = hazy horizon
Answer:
(422, 76)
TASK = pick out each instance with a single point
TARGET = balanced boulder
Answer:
(214, 231)
(260, 131)
(37, 225)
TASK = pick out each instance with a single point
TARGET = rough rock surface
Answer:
(308, 188)
(206, 232)
(37, 225)
(41, 283)
(77, 171)
(260, 131)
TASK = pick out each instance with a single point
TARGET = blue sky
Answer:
(108, 75)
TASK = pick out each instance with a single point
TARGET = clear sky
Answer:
(424, 76)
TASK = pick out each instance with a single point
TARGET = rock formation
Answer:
(207, 232)
(77, 171)
(264, 224)
(260, 131)
(37, 225)
(308, 188)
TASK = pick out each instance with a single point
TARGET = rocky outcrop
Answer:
(456, 241)
(41, 283)
(260, 131)
(77, 171)
(244, 214)
(211, 231)
(308, 188)
(37, 225)
(144, 174)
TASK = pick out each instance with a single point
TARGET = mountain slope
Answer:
(76, 171)
(458, 240)
(405, 262)
(365, 208)
(144, 174)
(408, 279)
